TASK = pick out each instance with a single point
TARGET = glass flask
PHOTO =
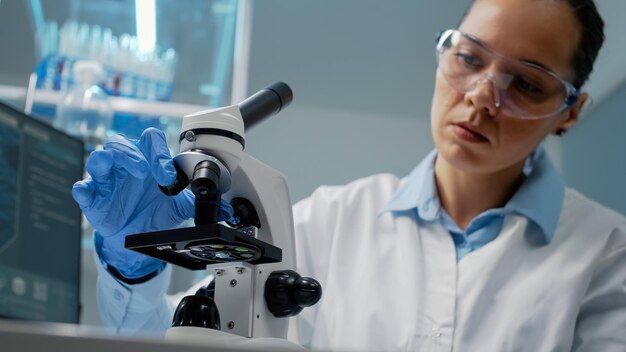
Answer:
(85, 111)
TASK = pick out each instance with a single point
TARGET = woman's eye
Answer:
(525, 86)
(468, 59)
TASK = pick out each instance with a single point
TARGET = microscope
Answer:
(251, 255)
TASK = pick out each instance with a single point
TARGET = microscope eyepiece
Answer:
(264, 103)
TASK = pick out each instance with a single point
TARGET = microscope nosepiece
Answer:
(206, 178)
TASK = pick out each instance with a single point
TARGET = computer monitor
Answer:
(40, 224)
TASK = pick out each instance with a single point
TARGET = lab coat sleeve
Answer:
(134, 309)
(601, 323)
(313, 223)
(314, 219)
(138, 309)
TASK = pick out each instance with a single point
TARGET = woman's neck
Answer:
(465, 195)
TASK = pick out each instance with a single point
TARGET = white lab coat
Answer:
(393, 282)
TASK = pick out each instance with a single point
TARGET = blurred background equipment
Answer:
(85, 111)
(138, 45)
(40, 233)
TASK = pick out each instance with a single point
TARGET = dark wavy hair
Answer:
(591, 37)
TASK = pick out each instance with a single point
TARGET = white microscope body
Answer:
(255, 288)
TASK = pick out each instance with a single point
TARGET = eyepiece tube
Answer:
(264, 103)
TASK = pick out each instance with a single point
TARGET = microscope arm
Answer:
(267, 190)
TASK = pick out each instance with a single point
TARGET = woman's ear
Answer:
(573, 115)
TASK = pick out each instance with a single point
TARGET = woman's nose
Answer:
(484, 95)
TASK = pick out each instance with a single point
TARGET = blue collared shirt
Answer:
(539, 198)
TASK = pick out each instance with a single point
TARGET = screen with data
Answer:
(40, 223)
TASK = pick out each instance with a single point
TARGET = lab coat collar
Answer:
(540, 198)
(418, 191)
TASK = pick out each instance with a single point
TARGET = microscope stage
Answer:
(196, 247)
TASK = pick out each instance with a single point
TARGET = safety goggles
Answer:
(520, 89)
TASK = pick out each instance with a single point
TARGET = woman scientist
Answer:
(480, 248)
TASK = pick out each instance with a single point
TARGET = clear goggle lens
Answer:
(520, 89)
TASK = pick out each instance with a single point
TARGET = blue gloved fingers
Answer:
(83, 193)
(126, 155)
(96, 196)
(153, 145)
(226, 211)
(99, 166)
(184, 205)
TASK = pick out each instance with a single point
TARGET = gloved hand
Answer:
(122, 197)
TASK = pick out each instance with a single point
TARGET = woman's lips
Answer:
(468, 133)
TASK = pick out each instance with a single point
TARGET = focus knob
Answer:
(197, 310)
(286, 293)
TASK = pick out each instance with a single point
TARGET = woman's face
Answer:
(472, 134)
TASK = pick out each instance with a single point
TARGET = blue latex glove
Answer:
(122, 197)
